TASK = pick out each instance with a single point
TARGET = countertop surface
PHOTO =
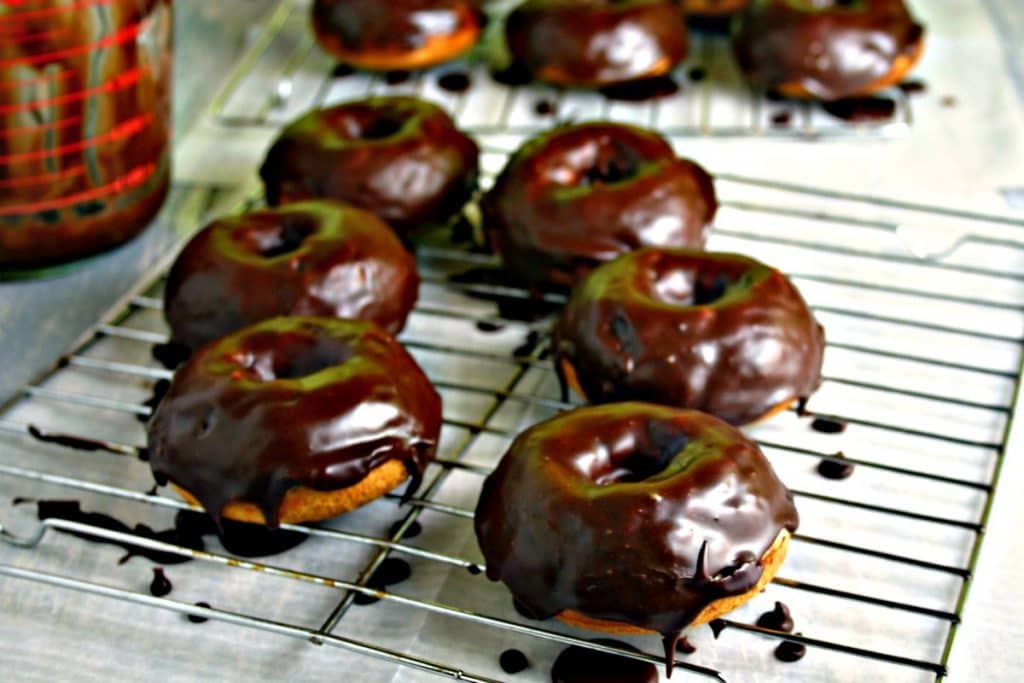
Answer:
(39, 319)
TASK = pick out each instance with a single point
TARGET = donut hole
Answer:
(638, 459)
(291, 358)
(366, 123)
(278, 238)
(612, 163)
(689, 287)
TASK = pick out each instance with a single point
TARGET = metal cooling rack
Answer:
(923, 365)
(285, 74)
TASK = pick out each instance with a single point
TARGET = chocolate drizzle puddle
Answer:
(455, 81)
(913, 87)
(545, 108)
(580, 665)
(245, 540)
(642, 90)
(827, 425)
(488, 326)
(160, 585)
(864, 109)
(391, 571)
(513, 661)
(513, 75)
(528, 346)
(396, 77)
(197, 619)
(835, 467)
(71, 510)
(414, 529)
(342, 71)
(68, 441)
(778, 619)
(789, 651)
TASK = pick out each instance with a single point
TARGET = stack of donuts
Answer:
(647, 510)
(821, 49)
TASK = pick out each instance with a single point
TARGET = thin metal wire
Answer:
(279, 89)
(115, 325)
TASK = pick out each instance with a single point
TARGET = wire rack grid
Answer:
(285, 74)
(923, 366)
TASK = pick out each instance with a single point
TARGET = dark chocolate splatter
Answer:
(414, 529)
(581, 665)
(396, 77)
(789, 651)
(160, 585)
(196, 618)
(827, 425)
(866, 109)
(513, 75)
(836, 467)
(643, 90)
(513, 661)
(391, 571)
(778, 619)
(455, 81)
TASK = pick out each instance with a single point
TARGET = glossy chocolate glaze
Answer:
(583, 194)
(300, 401)
(596, 42)
(831, 48)
(721, 333)
(358, 30)
(631, 512)
(399, 157)
(310, 258)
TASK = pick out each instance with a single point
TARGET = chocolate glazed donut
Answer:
(583, 194)
(633, 515)
(721, 333)
(594, 43)
(827, 49)
(399, 157)
(311, 258)
(295, 419)
(396, 34)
